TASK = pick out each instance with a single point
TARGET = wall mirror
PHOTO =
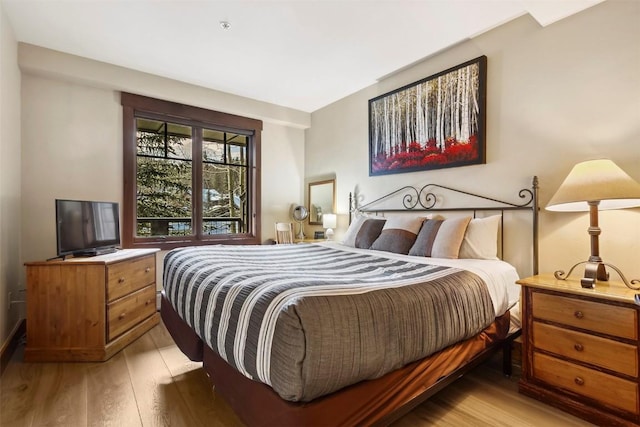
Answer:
(322, 199)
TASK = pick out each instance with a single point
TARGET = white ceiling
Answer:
(302, 54)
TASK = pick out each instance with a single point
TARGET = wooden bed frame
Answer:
(373, 402)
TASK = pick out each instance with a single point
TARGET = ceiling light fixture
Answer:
(225, 25)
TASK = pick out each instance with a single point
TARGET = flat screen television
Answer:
(87, 228)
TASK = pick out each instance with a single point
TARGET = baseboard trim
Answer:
(9, 347)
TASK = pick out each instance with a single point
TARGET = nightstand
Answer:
(309, 240)
(580, 348)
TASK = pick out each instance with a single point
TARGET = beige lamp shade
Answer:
(596, 180)
(329, 221)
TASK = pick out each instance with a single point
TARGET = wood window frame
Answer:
(137, 105)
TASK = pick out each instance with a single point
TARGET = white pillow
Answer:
(481, 238)
(363, 231)
(349, 238)
(440, 238)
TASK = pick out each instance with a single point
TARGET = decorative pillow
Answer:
(398, 234)
(363, 231)
(481, 238)
(349, 238)
(369, 232)
(440, 238)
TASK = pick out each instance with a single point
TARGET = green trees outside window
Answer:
(188, 180)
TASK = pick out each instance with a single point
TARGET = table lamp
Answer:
(329, 221)
(593, 185)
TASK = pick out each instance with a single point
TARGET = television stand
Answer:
(88, 309)
(94, 252)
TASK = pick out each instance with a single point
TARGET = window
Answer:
(191, 176)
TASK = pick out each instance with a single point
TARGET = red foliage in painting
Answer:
(428, 156)
(415, 147)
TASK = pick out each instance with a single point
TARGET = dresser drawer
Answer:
(125, 313)
(609, 354)
(128, 276)
(594, 316)
(610, 390)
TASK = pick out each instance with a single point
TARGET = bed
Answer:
(357, 332)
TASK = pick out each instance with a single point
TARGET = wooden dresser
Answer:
(580, 348)
(88, 309)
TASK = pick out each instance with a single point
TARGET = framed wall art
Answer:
(437, 122)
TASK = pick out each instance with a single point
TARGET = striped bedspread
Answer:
(308, 319)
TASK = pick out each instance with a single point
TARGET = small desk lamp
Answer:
(329, 221)
(591, 185)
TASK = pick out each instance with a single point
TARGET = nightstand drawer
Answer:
(613, 355)
(127, 312)
(590, 383)
(126, 277)
(593, 316)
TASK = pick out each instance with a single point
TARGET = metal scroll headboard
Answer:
(426, 200)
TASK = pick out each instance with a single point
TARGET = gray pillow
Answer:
(440, 238)
(398, 234)
(369, 232)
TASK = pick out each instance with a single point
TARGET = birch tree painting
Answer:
(434, 123)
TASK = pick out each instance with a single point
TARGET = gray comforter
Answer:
(308, 320)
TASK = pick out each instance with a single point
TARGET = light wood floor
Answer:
(151, 383)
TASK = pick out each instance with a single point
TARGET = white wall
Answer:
(72, 139)
(556, 96)
(282, 175)
(10, 217)
(71, 149)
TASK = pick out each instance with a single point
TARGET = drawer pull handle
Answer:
(148, 269)
(579, 314)
(147, 302)
(122, 316)
(121, 280)
(578, 347)
(579, 381)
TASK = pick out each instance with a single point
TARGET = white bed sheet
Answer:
(500, 276)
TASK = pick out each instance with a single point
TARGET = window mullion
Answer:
(196, 167)
(225, 158)
(166, 140)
